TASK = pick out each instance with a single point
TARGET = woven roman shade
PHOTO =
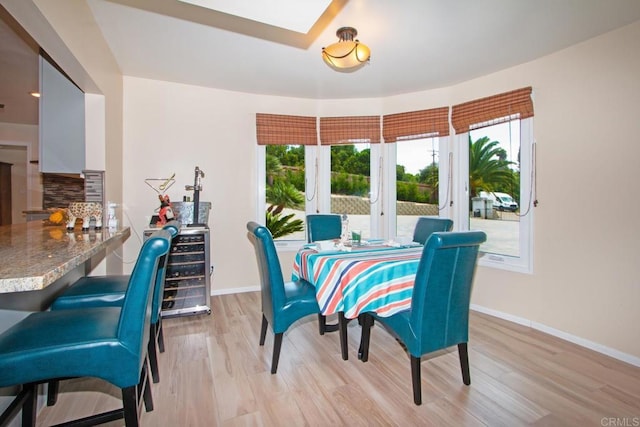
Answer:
(275, 129)
(416, 124)
(492, 109)
(349, 130)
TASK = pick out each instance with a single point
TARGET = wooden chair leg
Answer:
(464, 362)
(30, 406)
(130, 405)
(160, 335)
(52, 392)
(322, 323)
(366, 320)
(344, 344)
(415, 380)
(146, 389)
(153, 358)
(263, 330)
(277, 344)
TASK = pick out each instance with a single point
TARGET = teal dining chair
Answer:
(439, 314)
(109, 291)
(324, 227)
(426, 225)
(109, 343)
(283, 303)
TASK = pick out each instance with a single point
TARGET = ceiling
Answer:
(415, 44)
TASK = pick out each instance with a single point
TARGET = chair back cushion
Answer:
(271, 279)
(442, 292)
(323, 227)
(427, 225)
(135, 316)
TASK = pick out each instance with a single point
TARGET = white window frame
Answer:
(310, 155)
(324, 187)
(524, 262)
(444, 191)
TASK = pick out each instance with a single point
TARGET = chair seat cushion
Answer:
(93, 291)
(300, 301)
(68, 343)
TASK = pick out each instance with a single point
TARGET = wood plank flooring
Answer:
(214, 373)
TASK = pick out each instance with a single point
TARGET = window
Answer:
(284, 145)
(350, 180)
(414, 141)
(495, 166)
(285, 191)
(417, 182)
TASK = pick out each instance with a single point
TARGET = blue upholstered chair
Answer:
(327, 227)
(430, 224)
(109, 291)
(109, 343)
(323, 227)
(283, 303)
(439, 313)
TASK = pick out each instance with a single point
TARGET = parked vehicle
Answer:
(501, 201)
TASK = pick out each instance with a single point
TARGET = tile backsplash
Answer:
(60, 190)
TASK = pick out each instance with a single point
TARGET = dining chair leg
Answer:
(160, 335)
(415, 380)
(263, 330)
(130, 405)
(146, 389)
(464, 362)
(367, 322)
(322, 323)
(153, 358)
(52, 392)
(30, 406)
(277, 344)
(344, 345)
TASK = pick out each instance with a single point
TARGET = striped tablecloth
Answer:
(379, 280)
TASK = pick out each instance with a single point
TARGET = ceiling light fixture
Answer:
(35, 94)
(348, 54)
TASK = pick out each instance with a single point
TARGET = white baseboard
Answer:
(234, 290)
(616, 354)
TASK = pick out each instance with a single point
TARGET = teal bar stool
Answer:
(109, 291)
(109, 343)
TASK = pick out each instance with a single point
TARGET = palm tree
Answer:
(280, 195)
(488, 167)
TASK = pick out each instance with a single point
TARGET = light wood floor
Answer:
(213, 373)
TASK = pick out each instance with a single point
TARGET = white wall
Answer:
(172, 128)
(585, 280)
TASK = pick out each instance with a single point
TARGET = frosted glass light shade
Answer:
(347, 53)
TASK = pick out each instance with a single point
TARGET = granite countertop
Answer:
(33, 255)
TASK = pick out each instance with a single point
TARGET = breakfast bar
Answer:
(38, 261)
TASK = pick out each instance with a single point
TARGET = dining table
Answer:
(353, 280)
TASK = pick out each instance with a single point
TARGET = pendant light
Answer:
(348, 54)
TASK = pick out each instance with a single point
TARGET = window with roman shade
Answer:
(494, 136)
(414, 140)
(286, 147)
